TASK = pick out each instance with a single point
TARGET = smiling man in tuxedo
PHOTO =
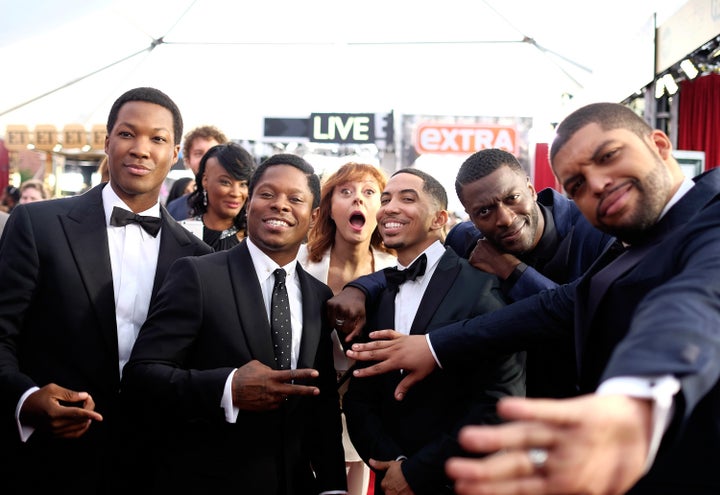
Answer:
(407, 443)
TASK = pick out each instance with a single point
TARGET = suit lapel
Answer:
(250, 304)
(442, 280)
(174, 244)
(86, 233)
(312, 321)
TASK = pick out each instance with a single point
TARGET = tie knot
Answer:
(280, 275)
(395, 278)
(121, 217)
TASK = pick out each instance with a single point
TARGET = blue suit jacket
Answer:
(179, 208)
(659, 315)
(580, 245)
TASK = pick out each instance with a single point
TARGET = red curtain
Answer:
(544, 176)
(699, 118)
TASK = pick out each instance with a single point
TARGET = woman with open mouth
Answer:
(343, 245)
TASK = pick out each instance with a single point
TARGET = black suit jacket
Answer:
(424, 425)
(208, 319)
(658, 315)
(57, 325)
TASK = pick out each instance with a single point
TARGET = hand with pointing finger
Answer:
(257, 387)
(62, 412)
(395, 351)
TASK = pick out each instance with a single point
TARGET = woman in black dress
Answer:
(221, 191)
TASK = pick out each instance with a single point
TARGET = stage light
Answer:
(659, 88)
(689, 68)
(670, 84)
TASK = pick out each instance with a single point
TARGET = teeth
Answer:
(277, 223)
(393, 225)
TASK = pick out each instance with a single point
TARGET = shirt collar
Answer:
(433, 253)
(264, 265)
(111, 199)
(685, 186)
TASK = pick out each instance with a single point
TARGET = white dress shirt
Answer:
(407, 300)
(133, 258)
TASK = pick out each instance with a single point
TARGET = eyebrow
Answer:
(403, 191)
(593, 158)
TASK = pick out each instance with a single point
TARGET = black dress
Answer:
(220, 240)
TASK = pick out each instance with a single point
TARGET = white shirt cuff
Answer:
(24, 430)
(660, 390)
(226, 402)
(432, 351)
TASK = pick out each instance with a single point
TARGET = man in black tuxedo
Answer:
(245, 414)
(74, 291)
(644, 320)
(408, 442)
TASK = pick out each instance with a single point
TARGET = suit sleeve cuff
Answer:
(24, 430)
(432, 351)
(231, 412)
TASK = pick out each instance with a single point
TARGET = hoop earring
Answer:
(204, 198)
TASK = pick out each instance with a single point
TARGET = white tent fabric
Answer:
(231, 63)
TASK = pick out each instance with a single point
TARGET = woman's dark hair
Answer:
(178, 189)
(238, 162)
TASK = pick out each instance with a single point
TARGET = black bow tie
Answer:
(395, 278)
(121, 217)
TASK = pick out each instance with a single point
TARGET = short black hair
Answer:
(482, 163)
(430, 185)
(150, 95)
(607, 115)
(293, 161)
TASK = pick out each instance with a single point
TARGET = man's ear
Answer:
(439, 219)
(662, 143)
(314, 216)
(532, 188)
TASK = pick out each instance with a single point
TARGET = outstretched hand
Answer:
(257, 387)
(595, 444)
(62, 412)
(395, 351)
(346, 312)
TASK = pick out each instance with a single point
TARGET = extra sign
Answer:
(464, 138)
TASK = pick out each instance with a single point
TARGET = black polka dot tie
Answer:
(280, 321)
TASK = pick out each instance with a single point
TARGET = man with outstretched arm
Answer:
(645, 322)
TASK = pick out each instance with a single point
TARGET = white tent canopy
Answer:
(233, 63)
